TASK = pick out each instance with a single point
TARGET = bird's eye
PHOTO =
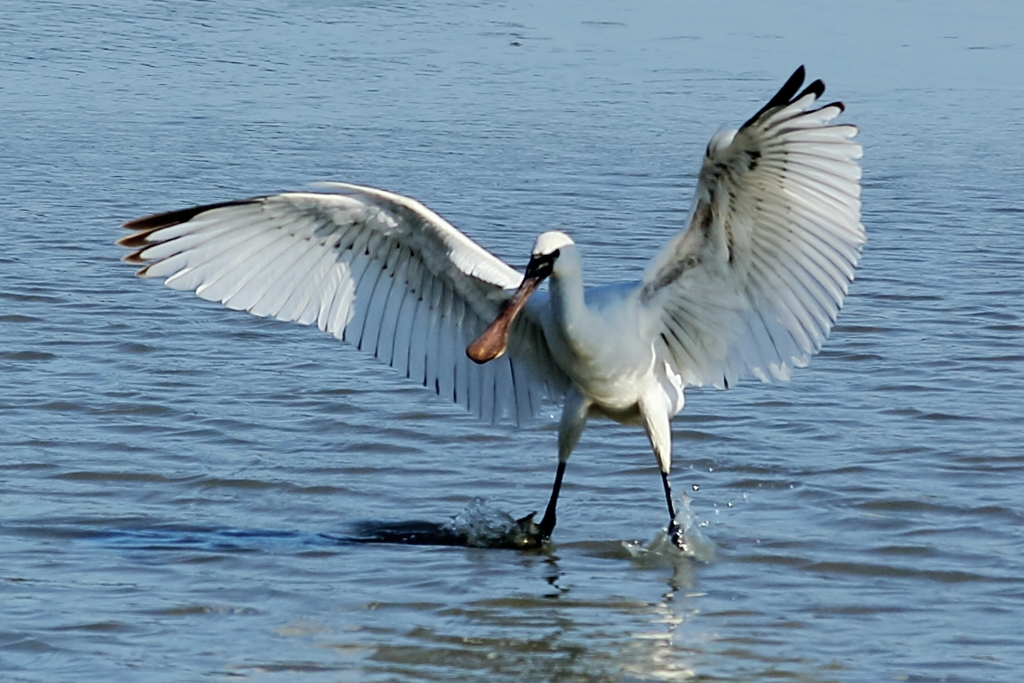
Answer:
(556, 253)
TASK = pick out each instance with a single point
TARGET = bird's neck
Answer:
(567, 301)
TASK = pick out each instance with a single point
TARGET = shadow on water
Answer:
(478, 526)
(415, 532)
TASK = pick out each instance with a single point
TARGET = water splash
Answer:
(478, 526)
(482, 526)
(696, 544)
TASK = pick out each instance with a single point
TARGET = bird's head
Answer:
(493, 342)
(546, 251)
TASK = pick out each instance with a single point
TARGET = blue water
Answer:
(180, 485)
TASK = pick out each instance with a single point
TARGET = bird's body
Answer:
(751, 287)
(608, 369)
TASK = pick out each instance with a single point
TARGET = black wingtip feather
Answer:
(136, 239)
(817, 87)
(134, 257)
(147, 225)
(788, 94)
(164, 220)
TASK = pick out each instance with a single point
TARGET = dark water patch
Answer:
(62, 407)
(140, 409)
(896, 571)
(99, 476)
(905, 550)
(30, 298)
(852, 357)
(948, 417)
(28, 645)
(239, 483)
(905, 298)
(289, 667)
(841, 328)
(193, 610)
(900, 388)
(904, 506)
(870, 569)
(405, 533)
(932, 416)
(1007, 514)
(96, 627)
(16, 318)
(26, 355)
(134, 347)
(31, 466)
(208, 539)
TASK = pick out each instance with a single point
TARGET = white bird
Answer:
(750, 288)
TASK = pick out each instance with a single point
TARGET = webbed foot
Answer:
(525, 534)
(677, 536)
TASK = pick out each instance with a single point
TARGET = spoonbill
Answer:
(750, 288)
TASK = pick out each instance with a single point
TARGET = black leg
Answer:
(675, 532)
(547, 524)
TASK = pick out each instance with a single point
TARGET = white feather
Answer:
(753, 286)
(367, 266)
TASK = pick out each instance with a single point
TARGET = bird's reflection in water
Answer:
(562, 631)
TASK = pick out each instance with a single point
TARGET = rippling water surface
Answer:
(184, 490)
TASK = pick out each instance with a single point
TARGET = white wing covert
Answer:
(373, 268)
(752, 287)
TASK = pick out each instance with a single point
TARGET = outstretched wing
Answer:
(754, 284)
(370, 267)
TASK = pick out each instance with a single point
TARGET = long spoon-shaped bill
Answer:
(493, 342)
